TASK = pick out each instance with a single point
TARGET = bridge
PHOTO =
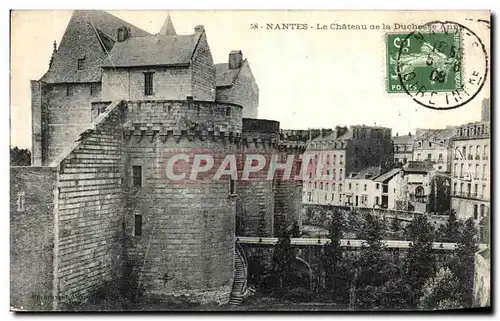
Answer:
(258, 253)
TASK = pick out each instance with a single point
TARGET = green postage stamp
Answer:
(431, 59)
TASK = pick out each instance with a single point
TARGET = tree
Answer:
(439, 196)
(20, 157)
(450, 232)
(295, 231)
(441, 291)
(283, 256)
(420, 261)
(374, 267)
(463, 263)
(332, 253)
(396, 226)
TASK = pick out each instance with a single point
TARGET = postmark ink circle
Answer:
(443, 65)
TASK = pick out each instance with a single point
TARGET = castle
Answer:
(115, 104)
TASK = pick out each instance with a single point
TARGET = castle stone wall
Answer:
(31, 237)
(90, 210)
(186, 247)
(67, 116)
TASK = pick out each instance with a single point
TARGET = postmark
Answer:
(448, 71)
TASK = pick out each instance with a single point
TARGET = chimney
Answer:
(123, 34)
(199, 28)
(397, 134)
(235, 59)
(409, 134)
(485, 110)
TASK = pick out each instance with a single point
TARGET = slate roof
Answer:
(372, 170)
(384, 177)
(159, 50)
(88, 35)
(405, 139)
(225, 77)
(434, 134)
(418, 167)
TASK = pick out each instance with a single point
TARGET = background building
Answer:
(471, 171)
(434, 146)
(334, 157)
(403, 148)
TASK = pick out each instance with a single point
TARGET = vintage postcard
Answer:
(250, 160)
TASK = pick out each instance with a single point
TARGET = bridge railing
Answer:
(352, 243)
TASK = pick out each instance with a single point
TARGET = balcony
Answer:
(477, 196)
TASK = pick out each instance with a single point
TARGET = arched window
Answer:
(340, 175)
(419, 191)
(326, 186)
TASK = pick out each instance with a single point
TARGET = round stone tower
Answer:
(180, 218)
(255, 206)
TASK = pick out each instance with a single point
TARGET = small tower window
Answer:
(137, 225)
(95, 88)
(69, 90)
(148, 83)
(81, 62)
(20, 202)
(137, 176)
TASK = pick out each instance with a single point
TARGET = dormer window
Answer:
(81, 63)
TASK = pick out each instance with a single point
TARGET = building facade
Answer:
(332, 158)
(434, 146)
(471, 171)
(403, 148)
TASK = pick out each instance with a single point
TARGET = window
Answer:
(418, 157)
(461, 170)
(478, 151)
(475, 211)
(228, 111)
(485, 152)
(333, 197)
(484, 172)
(377, 186)
(350, 186)
(440, 158)
(476, 173)
(405, 160)
(137, 225)
(321, 185)
(396, 160)
(326, 186)
(376, 200)
(340, 189)
(430, 144)
(80, 63)
(333, 187)
(334, 159)
(357, 185)
(95, 88)
(69, 90)
(20, 202)
(455, 188)
(148, 83)
(461, 187)
(334, 174)
(137, 176)
(455, 167)
(341, 159)
(315, 185)
(476, 190)
(365, 188)
(429, 157)
(340, 175)
(232, 187)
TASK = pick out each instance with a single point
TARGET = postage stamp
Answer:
(436, 61)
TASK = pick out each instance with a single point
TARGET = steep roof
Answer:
(89, 34)
(168, 28)
(225, 77)
(388, 175)
(171, 50)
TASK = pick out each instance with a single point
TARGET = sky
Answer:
(307, 78)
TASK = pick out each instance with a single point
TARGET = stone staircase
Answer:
(240, 276)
